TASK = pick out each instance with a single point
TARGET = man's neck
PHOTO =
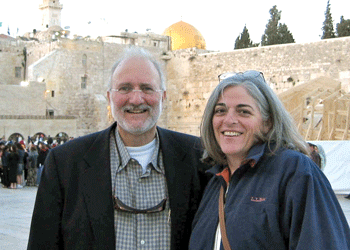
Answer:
(137, 140)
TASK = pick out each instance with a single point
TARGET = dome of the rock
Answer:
(184, 35)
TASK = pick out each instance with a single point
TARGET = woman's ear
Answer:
(267, 126)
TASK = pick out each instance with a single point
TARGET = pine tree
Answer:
(243, 40)
(271, 32)
(328, 29)
(343, 28)
(284, 34)
(275, 32)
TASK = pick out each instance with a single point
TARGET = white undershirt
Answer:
(143, 154)
(217, 242)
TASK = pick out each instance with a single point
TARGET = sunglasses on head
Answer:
(250, 74)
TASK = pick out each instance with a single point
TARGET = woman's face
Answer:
(236, 121)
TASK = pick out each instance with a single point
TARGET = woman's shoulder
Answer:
(293, 161)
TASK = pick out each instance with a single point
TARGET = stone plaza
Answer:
(16, 207)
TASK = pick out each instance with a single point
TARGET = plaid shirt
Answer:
(139, 190)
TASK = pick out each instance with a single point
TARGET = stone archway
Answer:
(16, 137)
(61, 137)
(38, 137)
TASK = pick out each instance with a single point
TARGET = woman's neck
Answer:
(234, 163)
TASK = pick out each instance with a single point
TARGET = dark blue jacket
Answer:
(284, 201)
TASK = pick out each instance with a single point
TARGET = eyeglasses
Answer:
(120, 206)
(250, 74)
(146, 90)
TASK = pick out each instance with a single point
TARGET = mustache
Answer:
(132, 108)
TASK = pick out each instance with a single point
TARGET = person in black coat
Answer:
(43, 152)
(13, 159)
(4, 160)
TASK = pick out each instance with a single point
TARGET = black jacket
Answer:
(74, 207)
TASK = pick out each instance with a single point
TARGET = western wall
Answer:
(76, 72)
(192, 76)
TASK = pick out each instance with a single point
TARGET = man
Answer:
(131, 186)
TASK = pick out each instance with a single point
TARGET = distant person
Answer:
(322, 154)
(314, 155)
(265, 193)
(5, 168)
(13, 160)
(20, 170)
(32, 165)
(1, 167)
(132, 186)
(42, 154)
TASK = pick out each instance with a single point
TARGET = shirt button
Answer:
(142, 242)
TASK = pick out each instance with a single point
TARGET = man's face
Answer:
(137, 112)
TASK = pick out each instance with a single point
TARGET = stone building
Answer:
(55, 86)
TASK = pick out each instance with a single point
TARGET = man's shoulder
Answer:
(83, 143)
(177, 135)
(174, 138)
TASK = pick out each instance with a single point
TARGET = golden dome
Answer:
(184, 35)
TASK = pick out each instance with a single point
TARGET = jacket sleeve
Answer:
(46, 221)
(313, 218)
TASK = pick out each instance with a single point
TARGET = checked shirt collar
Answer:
(124, 156)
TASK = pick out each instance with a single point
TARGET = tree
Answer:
(328, 29)
(275, 32)
(284, 34)
(243, 40)
(343, 28)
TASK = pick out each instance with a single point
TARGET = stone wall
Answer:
(193, 76)
(19, 100)
(31, 126)
(63, 70)
(11, 56)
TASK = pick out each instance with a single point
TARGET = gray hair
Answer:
(283, 132)
(138, 52)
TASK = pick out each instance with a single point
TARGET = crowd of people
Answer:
(20, 164)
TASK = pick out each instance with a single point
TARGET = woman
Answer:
(276, 196)
(21, 161)
(13, 159)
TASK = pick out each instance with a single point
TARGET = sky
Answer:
(220, 22)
